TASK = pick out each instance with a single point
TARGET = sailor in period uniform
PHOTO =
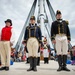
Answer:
(60, 36)
(45, 51)
(32, 39)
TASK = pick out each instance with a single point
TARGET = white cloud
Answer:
(17, 11)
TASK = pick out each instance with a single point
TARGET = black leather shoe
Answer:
(30, 69)
(7, 68)
(35, 69)
(59, 69)
(65, 69)
(2, 68)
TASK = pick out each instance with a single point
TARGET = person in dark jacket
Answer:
(60, 36)
(32, 39)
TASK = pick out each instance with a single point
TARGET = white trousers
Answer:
(5, 51)
(45, 53)
(32, 46)
(61, 44)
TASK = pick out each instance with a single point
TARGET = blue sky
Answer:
(17, 11)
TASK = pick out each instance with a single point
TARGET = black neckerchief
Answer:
(30, 25)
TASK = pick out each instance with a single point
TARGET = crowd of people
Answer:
(44, 55)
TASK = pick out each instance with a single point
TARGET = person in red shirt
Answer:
(6, 41)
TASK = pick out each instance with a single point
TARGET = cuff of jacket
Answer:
(69, 38)
(52, 38)
(24, 41)
(40, 41)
